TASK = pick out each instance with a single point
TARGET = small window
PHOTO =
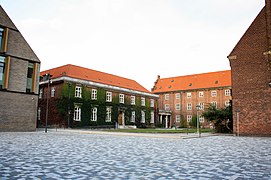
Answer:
(41, 93)
(227, 92)
(121, 98)
(133, 100)
(39, 114)
(177, 107)
(166, 96)
(189, 118)
(152, 103)
(142, 117)
(94, 114)
(108, 96)
(178, 118)
(1, 37)
(201, 106)
(189, 95)
(133, 116)
(213, 93)
(30, 75)
(201, 119)
(77, 113)
(53, 92)
(177, 96)
(108, 114)
(189, 106)
(2, 71)
(152, 117)
(142, 101)
(201, 94)
(214, 103)
(227, 103)
(167, 108)
(78, 91)
(94, 94)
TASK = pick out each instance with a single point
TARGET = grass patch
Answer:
(159, 130)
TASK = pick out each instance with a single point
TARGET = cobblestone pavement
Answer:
(75, 155)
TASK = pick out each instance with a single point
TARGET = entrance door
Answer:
(120, 118)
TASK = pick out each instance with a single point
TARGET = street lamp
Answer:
(47, 77)
(198, 108)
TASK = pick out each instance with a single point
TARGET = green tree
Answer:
(222, 118)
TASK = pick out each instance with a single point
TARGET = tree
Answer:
(222, 118)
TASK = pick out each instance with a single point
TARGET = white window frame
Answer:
(214, 103)
(143, 101)
(189, 118)
(201, 94)
(227, 103)
(213, 93)
(167, 107)
(133, 100)
(151, 102)
(142, 117)
(189, 106)
(108, 96)
(77, 113)
(133, 116)
(94, 94)
(39, 114)
(152, 117)
(108, 116)
(41, 93)
(178, 118)
(53, 91)
(227, 92)
(166, 96)
(201, 106)
(94, 114)
(121, 98)
(178, 96)
(201, 119)
(78, 92)
(189, 95)
(178, 106)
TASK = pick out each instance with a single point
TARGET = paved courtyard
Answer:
(82, 155)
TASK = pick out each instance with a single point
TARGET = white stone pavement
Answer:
(76, 154)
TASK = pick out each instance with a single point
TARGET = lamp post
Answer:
(47, 76)
(198, 108)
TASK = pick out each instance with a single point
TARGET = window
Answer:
(1, 37)
(189, 118)
(177, 107)
(132, 100)
(189, 106)
(177, 96)
(189, 95)
(108, 114)
(2, 71)
(201, 119)
(213, 93)
(108, 96)
(167, 107)
(142, 117)
(77, 113)
(166, 96)
(201, 94)
(152, 117)
(94, 114)
(227, 92)
(133, 116)
(121, 98)
(94, 94)
(78, 91)
(39, 114)
(214, 103)
(53, 91)
(142, 101)
(41, 93)
(178, 118)
(152, 103)
(227, 103)
(30, 75)
(201, 106)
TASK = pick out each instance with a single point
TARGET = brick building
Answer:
(179, 96)
(19, 69)
(250, 61)
(94, 99)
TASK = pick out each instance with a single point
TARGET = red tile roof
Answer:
(94, 76)
(195, 81)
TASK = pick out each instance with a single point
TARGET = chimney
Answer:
(268, 21)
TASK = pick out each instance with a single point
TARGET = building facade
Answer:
(181, 98)
(19, 72)
(250, 61)
(81, 97)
